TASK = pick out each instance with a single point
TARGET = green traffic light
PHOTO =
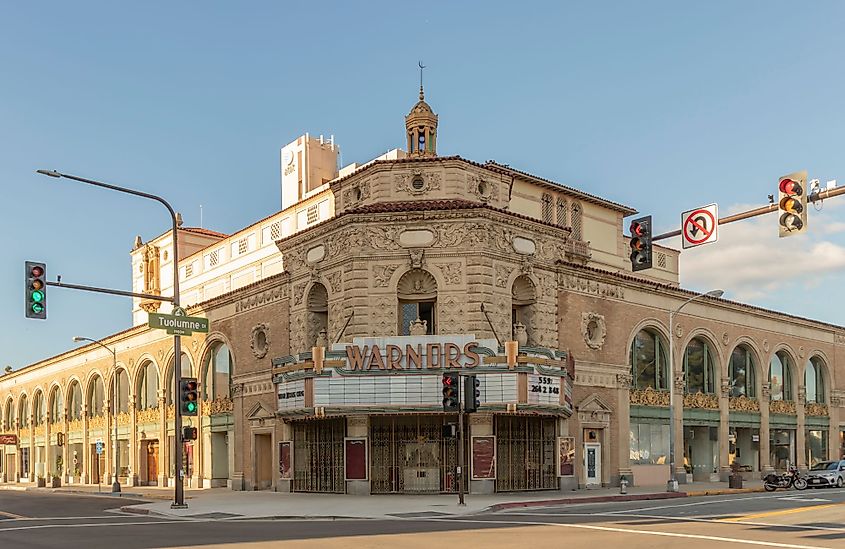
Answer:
(37, 308)
(191, 407)
(37, 296)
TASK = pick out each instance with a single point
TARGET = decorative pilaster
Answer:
(724, 431)
(800, 433)
(623, 418)
(109, 450)
(163, 446)
(86, 447)
(47, 470)
(678, 386)
(132, 476)
(765, 394)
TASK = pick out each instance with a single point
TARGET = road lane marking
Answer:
(634, 531)
(708, 502)
(94, 525)
(780, 512)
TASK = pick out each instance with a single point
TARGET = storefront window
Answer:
(74, 405)
(780, 376)
(742, 381)
(56, 405)
(816, 445)
(218, 373)
(698, 367)
(744, 448)
(123, 391)
(38, 409)
(648, 361)
(782, 448)
(649, 444)
(95, 404)
(814, 380)
(24, 412)
(148, 387)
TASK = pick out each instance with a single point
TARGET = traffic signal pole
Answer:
(461, 457)
(179, 492)
(762, 210)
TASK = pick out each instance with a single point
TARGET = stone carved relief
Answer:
(527, 267)
(624, 381)
(766, 390)
(482, 188)
(260, 340)
(649, 397)
(451, 272)
(382, 274)
(725, 339)
(503, 272)
(335, 281)
(472, 235)
(356, 193)
(417, 258)
(383, 316)
(571, 282)
(450, 315)
(299, 293)
(97, 422)
(294, 260)
(744, 404)
(260, 299)
(298, 327)
(701, 400)
(417, 182)
(549, 286)
(766, 345)
(725, 388)
(150, 415)
(593, 330)
(223, 405)
(680, 383)
(336, 319)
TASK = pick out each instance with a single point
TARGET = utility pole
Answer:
(461, 457)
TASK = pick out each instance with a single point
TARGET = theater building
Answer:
(333, 320)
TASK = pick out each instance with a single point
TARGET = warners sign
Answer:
(412, 356)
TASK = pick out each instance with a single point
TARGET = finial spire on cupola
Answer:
(421, 126)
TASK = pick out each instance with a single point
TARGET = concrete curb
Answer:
(725, 491)
(593, 499)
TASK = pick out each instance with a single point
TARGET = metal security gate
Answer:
(410, 455)
(525, 453)
(318, 456)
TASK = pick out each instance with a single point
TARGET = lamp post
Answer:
(179, 489)
(115, 486)
(672, 485)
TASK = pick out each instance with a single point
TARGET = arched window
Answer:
(9, 415)
(23, 412)
(649, 366)
(780, 376)
(38, 409)
(122, 391)
(698, 367)
(523, 298)
(417, 293)
(74, 401)
(814, 380)
(218, 373)
(148, 386)
(185, 367)
(741, 372)
(96, 397)
(318, 313)
(56, 405)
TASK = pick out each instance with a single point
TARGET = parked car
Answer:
(825, 474)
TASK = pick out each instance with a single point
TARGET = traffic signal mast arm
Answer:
(109, 291)
(813, 198)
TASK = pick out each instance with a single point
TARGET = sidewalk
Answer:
(222, 503)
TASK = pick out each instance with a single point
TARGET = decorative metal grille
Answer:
(243, 246)
(525, 453)
(410, 455)
(275, 231)
(318, 456)
(561, 212)
(313, 213)
(547, 208)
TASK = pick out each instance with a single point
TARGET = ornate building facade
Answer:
(333, 320)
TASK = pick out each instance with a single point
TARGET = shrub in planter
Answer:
(735, 480)
(41, 482)
(56, 481)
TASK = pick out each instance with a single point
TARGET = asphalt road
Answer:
(809, 519)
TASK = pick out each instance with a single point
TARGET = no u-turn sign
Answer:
(700, 226)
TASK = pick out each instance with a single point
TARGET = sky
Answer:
(662, 106)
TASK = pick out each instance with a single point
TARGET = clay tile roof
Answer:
(204, 232)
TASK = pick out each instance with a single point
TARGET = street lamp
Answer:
(179, 489)
(672, 485)
(115, 487)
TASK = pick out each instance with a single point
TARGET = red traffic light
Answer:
(790, 187)
(36, 271)
(637, 228)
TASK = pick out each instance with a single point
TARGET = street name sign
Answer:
(700, 226)
(178, 324)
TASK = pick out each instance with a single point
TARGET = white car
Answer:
(826, 474)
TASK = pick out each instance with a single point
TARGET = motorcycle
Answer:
(790, 478)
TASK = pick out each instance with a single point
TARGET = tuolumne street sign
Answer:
(178, 324)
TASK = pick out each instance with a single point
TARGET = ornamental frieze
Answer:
(97, 422)
(259, 299)
(335, 281)
(150, 415)
(75, 425)
(572, 282)
(744, 404)
(382, 274)
(782, 407)
(123, 418)
(707, 401)
(24, 434)
(649, 397)
(451, 272)
(503, 272)
(223, 405)
(816, 409)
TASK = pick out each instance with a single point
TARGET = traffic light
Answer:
(188, 399)
(451, 397)
(471, 393)
(189, 433)
(792, 204)
(641, 243)
(36, 290)
(450, 430)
